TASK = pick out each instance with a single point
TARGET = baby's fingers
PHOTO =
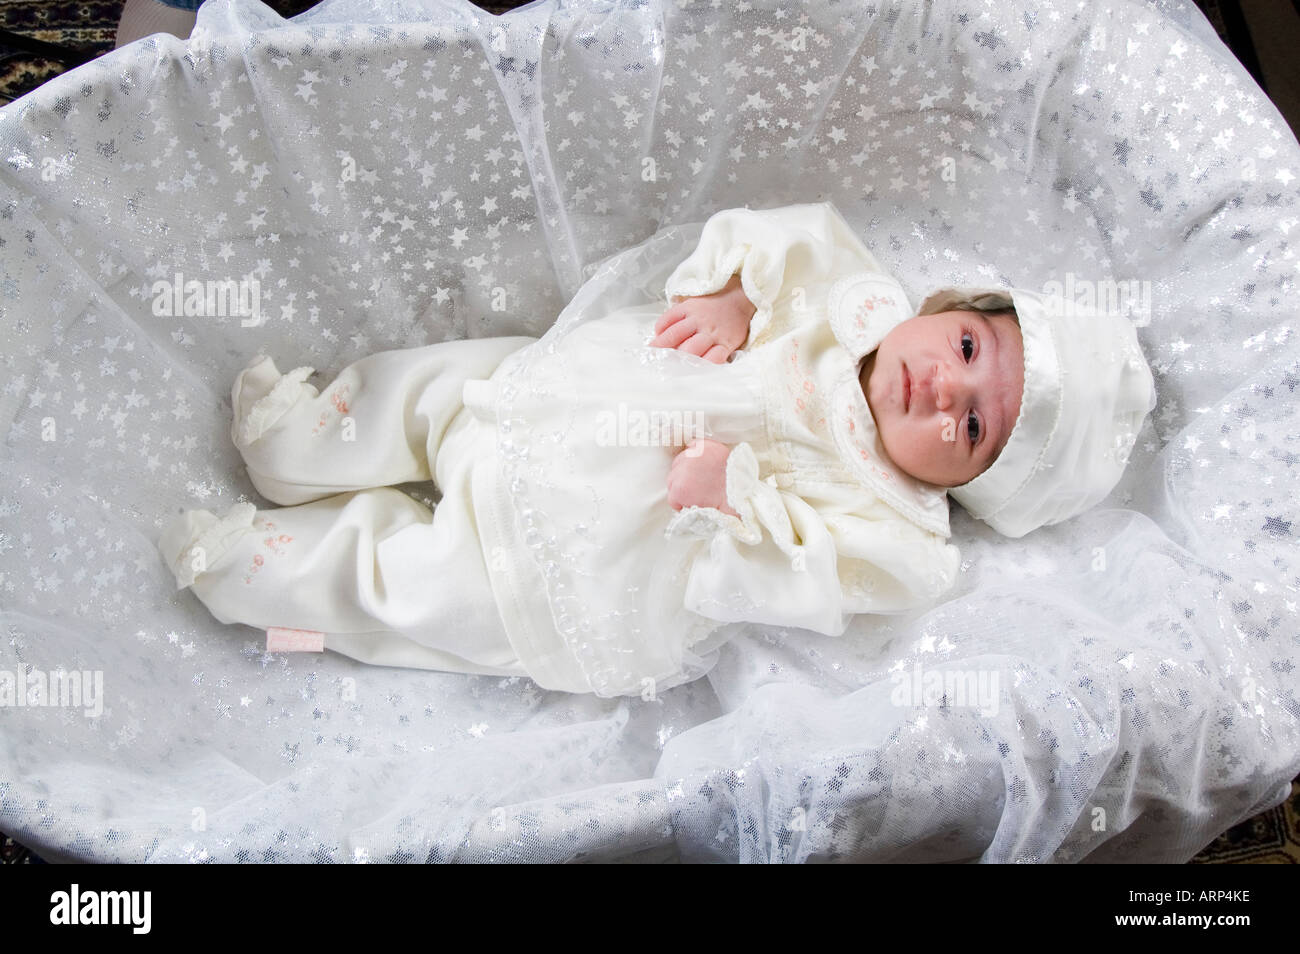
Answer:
(697, 344)
(673, 485)
(672, 314)
(674, 334)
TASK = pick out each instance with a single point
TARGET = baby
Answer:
(968, 366)
(818, 428)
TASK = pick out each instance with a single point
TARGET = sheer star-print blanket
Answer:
(375, 175)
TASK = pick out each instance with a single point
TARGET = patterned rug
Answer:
(88, 28)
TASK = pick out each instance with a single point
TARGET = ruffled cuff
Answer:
(758, 503)
(728, 264)
(195, 540)
(269, 408)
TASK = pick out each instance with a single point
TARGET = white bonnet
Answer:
(1088, 389)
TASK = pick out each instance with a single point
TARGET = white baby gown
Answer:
(602, 586)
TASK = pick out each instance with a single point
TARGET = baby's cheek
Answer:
(905, 444)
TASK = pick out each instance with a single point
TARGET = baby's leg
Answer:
(384, 578)
(380, 422)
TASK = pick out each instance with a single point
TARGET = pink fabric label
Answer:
(281, 640)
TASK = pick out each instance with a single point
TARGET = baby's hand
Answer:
(709, 326)
(698, 477)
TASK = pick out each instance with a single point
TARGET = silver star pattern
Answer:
(385, 183)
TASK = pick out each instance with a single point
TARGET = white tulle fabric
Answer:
(405, 172)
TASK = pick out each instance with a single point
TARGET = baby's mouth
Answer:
(907, 389)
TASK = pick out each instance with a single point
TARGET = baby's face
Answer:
(945, 391)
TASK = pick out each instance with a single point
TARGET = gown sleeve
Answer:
(782, 562)
(774, 250)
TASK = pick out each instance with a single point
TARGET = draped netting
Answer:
(389, 174)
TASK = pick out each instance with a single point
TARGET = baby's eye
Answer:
(973, 427)
(964, 352)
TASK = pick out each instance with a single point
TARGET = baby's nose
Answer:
(941, 385)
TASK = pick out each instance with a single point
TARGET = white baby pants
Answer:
(385, 579)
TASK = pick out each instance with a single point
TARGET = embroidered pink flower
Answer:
(274, 543)
(339, 402)
(798, 379)
(869, 305)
